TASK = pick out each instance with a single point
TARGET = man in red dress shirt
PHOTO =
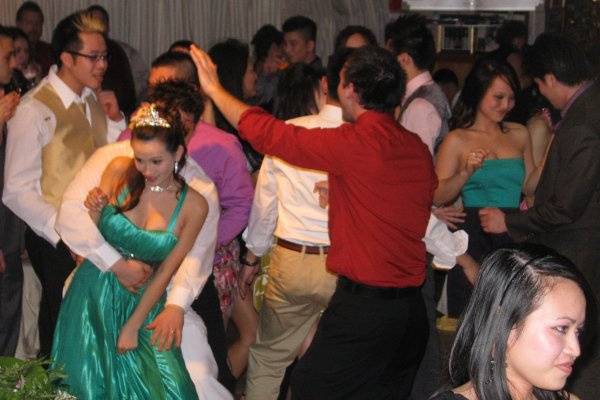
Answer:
(381, 181)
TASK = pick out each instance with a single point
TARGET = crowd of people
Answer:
(313, 205)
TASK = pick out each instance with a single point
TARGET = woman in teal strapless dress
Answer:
(486, 161)
(153, 217)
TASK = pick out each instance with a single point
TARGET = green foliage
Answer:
(20, 380)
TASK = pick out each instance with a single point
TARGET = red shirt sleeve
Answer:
(308, 148)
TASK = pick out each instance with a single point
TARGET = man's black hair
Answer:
(181, 61)
(344, 34)
(181, 43)
(445, 75)
(555, 54)
(377, 78)
(28, 6)
(302, 24)
(263, 39)
(409, 34)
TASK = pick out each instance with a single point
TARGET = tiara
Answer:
(147, 115)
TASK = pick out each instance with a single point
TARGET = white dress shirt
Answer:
(284, 202)
(421, 117)
(81, 235)
(29, 131)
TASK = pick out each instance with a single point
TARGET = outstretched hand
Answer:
(207, 71)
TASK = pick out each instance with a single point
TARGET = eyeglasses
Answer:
(95, 58)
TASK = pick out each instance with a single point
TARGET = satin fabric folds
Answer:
(95, 308)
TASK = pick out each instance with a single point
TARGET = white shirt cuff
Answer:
(180, 296)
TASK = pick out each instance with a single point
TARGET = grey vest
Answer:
(434, 95)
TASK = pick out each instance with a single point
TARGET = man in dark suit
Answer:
(11, 228)
(566, 212)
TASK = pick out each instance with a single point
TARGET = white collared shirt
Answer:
(421, 117)
(81, 235)
(284, 202)
(29, 131)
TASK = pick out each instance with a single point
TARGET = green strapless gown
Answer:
(95, 308)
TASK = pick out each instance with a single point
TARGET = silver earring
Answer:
(176, 167)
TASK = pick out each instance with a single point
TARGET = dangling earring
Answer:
(176, 167)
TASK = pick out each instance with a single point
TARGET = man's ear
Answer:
(67, 59)
(550, 80)
(404, 59)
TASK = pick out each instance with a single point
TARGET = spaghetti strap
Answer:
(122, 196)
(173, 220)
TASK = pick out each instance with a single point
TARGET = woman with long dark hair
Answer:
(485, 160)
(152, 217)
(520, 334)
(236, 74)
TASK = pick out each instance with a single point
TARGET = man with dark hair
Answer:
(448, 82)
(299, 285)
(566, 211)
(30, 19)
(119, 75)
(424, 108)
(425, 111)
(268, 61)
(371, 337)
(182, 46)
(354, 36)
(11, 227)
(57, 126)
(173, 65)
(300, 41)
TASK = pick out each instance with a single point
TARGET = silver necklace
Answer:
(161, 189)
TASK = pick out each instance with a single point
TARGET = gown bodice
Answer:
(149, 246)
(497, 183)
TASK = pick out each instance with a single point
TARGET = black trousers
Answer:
(428, 378)
(52, 267)
(364, 348)
(480, 245)
(11, 290)
(207, 306)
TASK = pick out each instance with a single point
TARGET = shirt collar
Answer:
(584, 86)
(64, 92)
(331, 112)
(424, 78)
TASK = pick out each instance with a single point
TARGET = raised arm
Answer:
(453, 168)
(231, 107)
(194, 212)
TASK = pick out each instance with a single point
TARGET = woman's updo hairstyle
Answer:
(153, 122)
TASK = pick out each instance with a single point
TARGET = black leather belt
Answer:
(376, 292)
(286, 244)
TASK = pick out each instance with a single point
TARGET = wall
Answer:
(151, 25)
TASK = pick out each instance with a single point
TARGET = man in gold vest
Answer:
(56, 128)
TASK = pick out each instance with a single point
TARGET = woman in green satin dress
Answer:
(152, 216)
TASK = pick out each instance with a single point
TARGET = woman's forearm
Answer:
(448, 189)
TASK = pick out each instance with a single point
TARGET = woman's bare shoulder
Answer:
(516, 129)
(195, 202)
(118, 165)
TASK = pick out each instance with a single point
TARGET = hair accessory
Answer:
(147, 115)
